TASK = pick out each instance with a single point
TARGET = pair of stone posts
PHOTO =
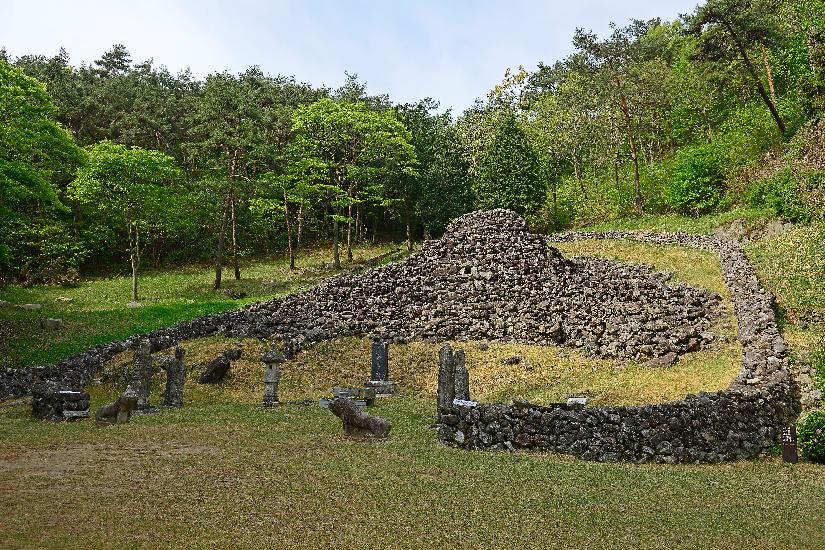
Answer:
(453, 378)
(140, 385)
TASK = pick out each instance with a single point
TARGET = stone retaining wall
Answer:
(742, 421)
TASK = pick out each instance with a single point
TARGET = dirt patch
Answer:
(79, 459)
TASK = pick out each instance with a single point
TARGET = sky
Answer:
(451, 50)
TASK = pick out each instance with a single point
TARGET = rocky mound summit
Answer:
(488, 277)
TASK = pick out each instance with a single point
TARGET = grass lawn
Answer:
(222, 472)
(98, 312)
(674, 222)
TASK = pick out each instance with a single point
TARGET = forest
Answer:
(116, 164)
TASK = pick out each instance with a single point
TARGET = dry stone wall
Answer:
(742, 421)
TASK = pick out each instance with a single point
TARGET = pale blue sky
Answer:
(453, 51)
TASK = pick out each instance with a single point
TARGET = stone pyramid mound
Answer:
(488, 277)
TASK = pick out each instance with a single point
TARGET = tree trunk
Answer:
(634, 152)
(349, 233)
(235, 242)
(768, 71)
(759, 87)
(134, 255)
(221, 239)
(358, 233)
(637, 191)
(336, 257)
(289, 233)
(408, 216)
(300, 226)
(578, 170)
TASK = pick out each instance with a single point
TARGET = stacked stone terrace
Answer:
(488, 277)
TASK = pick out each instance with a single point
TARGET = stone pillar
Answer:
(175, 378)
(462, 376)
(380, 361)
(446, 378)
(290, 349)
(141, 381)
(380, 372)
(272, 375)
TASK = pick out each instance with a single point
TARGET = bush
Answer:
(785, 194)
(811, 436)
(818, 367)
(696, 184)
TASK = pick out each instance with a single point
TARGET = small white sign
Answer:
(577, 401)
(464, 403)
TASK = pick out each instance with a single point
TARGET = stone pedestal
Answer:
(272, 375)
(380, 371)
(50, 401)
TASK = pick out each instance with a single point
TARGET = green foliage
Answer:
(783, 194)
(811, 436)
(440, 191)
(792, 266)
(47, 251)
(510, 175)
(34, 149)
(124, 182)
(126, 185)
(817, 360)
(696, 182)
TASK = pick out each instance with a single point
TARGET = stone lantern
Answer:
(272, 375)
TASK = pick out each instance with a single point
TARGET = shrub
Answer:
(818, 367)
(784, 194)
(811, 436)
(697, 181)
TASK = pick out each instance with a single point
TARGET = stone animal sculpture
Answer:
(118, 412)
(358, 423)
(219, 366)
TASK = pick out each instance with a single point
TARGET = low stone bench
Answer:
(53, 402)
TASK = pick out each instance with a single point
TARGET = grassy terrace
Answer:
(98, 312)
(224, 473)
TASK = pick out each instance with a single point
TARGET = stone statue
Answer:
(450, 364)
(358, 423)
(118, 412)
(175, 377)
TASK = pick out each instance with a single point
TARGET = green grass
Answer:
(674, 222)
(792, 266)
(98, 311)
(223, 474)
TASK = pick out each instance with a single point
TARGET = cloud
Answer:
(452, 51)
